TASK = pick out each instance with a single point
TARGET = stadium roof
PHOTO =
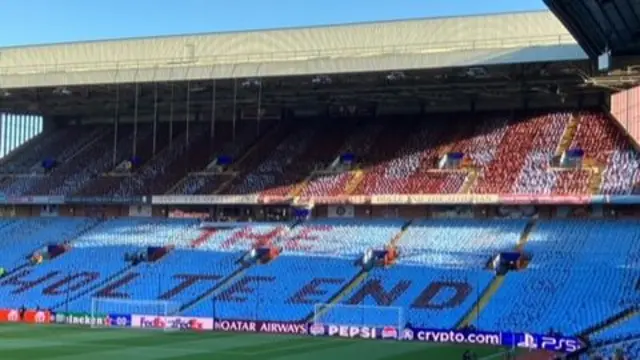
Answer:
(601, 24)
(365, 47)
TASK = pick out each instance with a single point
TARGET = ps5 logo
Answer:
(550, 343)
(560, 344)
(529, 342)
(121, 321)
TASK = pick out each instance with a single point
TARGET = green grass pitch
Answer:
(34, 342)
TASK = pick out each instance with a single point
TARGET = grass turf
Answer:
(33, 342)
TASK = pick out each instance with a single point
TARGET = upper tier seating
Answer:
(107, 175)
(328, 185)
(69, 158)
(24, 159)
(567, 256)
(93, 162)
(195, 184)
(161, 171)
(535, 177)
(204, 181)
(458, 243)
(359, 143)
(522, 137)
(268, 174)
(407, 170)
(318, 153)
(509, 153)
(598, 137)
(622, 173)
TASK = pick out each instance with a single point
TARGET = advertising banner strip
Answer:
(33, 200)
(510, 340)
(560, 344)
(623, 199)
(29, 316)
(334, 200)
(434, 199)
(204, 200)
(270, 327)
(389, 199)
(199, 323)
(85, 319)
(544, 200)
(101, 200)
(563, 344)
(171, 322)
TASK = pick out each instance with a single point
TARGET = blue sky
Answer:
(25, 22)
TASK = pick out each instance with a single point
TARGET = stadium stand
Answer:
(581, 271)
(302, 160)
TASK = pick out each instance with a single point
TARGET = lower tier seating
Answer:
(283, 290)
(56, 283)
(427, 297)
(630, 349)
(626, 328)
(183, 276)
(582, 272)
(340, 238)
(458, 243)
(24, 236)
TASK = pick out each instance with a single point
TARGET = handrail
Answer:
(422, 48)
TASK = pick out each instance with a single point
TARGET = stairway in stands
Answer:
(611, 322)
(568, 134)
(496, 283)
(469, 181)
(356, 178)
(358, 279)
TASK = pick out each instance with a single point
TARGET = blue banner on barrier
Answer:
(563, 344)
(623, 199)
(119, 320)
(354, 332)
(104, 200)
